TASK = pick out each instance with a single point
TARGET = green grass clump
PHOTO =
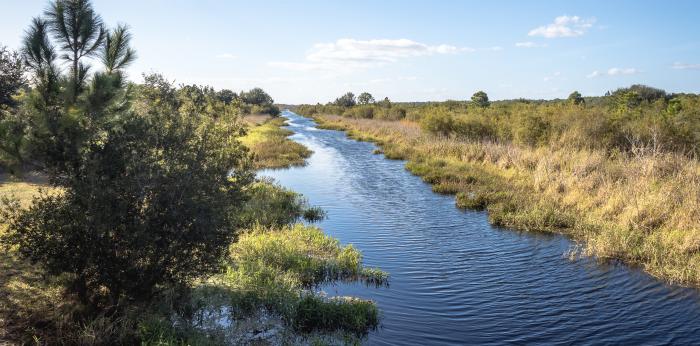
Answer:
(278, 269)
(319, 313)
(272, 148)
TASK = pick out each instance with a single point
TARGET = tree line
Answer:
(622, 119)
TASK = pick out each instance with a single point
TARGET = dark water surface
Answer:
(455, 279)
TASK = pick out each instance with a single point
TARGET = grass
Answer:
(277, 270)
(28, 298)
(642, 208)
(271, 148)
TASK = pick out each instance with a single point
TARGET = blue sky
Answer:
(313, 51)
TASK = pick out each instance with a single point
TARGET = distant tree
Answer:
(674, 107)
(386, 103)
(481, 99)
(626, 100)
(645, 93)
(347, 100)
(365, 98)
(576, 99)
(226, 96)
(256, 96)
(11, 76)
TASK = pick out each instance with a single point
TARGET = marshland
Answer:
(183, 174)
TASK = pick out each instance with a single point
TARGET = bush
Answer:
(473, 128)
(150, 201)
(360, 112)
(396, 113)
(532, 130)
(438, 122)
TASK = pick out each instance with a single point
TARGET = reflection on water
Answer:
(455, 279)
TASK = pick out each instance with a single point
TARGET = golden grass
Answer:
(271, 147)
(642, 208)
(27, 298)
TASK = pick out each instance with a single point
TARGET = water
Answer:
(455, 279)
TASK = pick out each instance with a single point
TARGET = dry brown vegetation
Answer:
(640, 207)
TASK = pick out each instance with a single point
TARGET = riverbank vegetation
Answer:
(131, 212)
(271, 148)
(617, 172)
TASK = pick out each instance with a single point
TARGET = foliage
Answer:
(274, 268)
(347, 100)
(576, 99)
(439, 122)
(365, 98)
(480, 99)
(80, 33)
(11, 76)
(156, 188)
(256, 96)
(271, 205)
(619, 122)
(227, 96)
(140, 188)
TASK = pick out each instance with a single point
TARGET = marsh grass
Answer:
(279, 270)
(641, 207)
(271, 147)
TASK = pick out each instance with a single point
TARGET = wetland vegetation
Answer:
(618, 172)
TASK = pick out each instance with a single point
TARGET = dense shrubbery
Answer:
(623, 120)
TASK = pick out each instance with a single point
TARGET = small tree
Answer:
(386, 103)
(256, 96)
(347, 100)
(481, 99)
(226, 96)
(365, 98)
(576, 99)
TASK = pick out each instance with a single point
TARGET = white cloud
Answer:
(682, 66)
(622, 71)
(351, 54)
(594, 74)
(529, 44)
(615, 71)
(564, 26)
(226, 56)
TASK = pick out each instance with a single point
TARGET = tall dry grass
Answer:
(641, 207)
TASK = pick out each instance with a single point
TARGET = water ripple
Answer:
(455, 279)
